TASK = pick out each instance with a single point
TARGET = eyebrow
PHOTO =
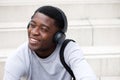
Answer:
(32, 21)
(42, 24)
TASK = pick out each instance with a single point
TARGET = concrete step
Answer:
(75, 10)
(110, 78)
(36, 2)
(97, 32)
(1, 70)
(12, 38)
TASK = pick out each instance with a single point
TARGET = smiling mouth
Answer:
(34, 41)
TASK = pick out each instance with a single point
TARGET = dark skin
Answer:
(40, 34)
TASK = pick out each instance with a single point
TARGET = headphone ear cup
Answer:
(59, 37)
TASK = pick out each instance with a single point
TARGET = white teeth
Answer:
(33, 40)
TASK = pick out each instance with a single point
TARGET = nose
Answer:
(35, 31)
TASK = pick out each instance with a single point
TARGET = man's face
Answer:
(41, 31)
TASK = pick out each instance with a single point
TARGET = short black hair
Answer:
(55, 13)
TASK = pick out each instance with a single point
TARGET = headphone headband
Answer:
(65, 20)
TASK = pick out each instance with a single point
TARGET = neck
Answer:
(45, 53)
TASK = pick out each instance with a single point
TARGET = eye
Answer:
(32, 25)
(44, 29)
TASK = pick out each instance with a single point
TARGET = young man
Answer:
(38, 59)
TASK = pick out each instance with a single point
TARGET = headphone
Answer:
(60, 35)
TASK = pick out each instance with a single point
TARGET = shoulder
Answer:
(22, 47)
(18, 54)
(73, 50)
(73, 46)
